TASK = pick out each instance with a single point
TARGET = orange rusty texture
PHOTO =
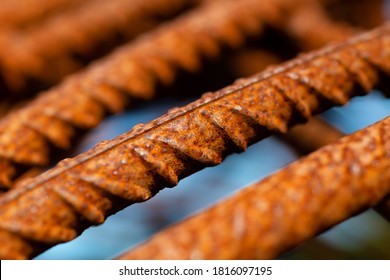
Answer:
(56, 206)
(66, 42)
(130, 73)
(21, 14)
(315, 134)
(287, 208)
(106, 85)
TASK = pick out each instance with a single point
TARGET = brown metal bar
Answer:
(68, 41)
(135, 70)
(131, 73)
(316, 134)
(287, 208)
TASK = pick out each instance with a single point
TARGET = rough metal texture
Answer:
(130, 73)
(316, 134)
(288, 207)
(66, 42)
(55, 206)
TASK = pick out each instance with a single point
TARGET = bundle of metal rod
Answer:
(57, 205)
(68, 41)
(21, 13)
(287, 208)
(130, 73)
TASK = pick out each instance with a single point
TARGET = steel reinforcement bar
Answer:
(57, 205)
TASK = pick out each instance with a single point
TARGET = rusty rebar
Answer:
(131, 73)
(317, 133)
(57, 205)
(287, 208)
(66, 42)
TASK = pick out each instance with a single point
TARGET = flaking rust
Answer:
(287, 208)
(55, 206)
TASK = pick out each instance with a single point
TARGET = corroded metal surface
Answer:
(55, 206)
(286, 208)
(66, 42)
(130, 73)
(316, 134)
